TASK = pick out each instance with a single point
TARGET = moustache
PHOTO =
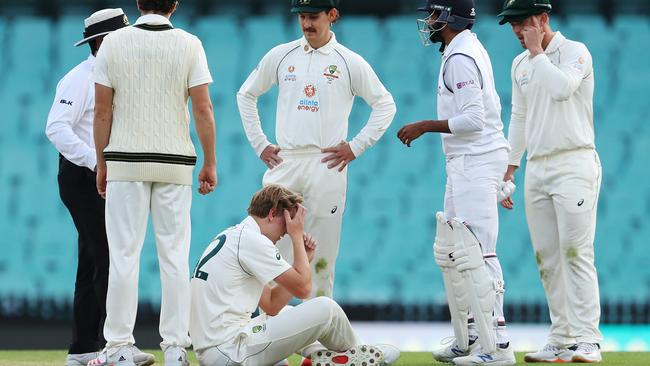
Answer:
(309, 30)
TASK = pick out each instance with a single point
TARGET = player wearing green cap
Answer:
(318, 80)
(552, 119)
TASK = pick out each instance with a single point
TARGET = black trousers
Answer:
(77, 188)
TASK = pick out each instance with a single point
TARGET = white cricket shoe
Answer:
(142, 358)
(80, 359)
(500, 357)
(176, 356)
(381, 355)
(122, 356)
(587, 353)
(549, 353)
(452, 350)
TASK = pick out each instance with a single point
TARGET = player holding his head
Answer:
(318, 79)
(552, 120)
(469, 121)
(233, 278)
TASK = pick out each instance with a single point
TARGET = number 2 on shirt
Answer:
(197, 271)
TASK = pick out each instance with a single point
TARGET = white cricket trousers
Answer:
(324, 193)
(268, 340)
(128, 205)
(471, 195)
(561, 197)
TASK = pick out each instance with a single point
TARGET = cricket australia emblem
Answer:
(331, 73)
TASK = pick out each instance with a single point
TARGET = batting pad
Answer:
(478, 284)
(457, 296)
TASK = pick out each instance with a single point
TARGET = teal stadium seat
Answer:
(394, 191)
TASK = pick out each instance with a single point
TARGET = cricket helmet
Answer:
(455, 14)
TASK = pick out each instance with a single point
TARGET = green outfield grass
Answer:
(57, 358)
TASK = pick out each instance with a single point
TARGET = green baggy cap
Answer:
(312, 6)
(518, 10)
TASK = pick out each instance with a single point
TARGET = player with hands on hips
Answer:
(552, 121)
(317, 79)
(469, 121)
(232, 278)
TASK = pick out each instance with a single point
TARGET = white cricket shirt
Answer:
(70, 122)
(228, 281)
(552, 101)
(467, 97)
(316, 92)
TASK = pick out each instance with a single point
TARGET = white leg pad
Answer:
(478, 284)
(457, 296)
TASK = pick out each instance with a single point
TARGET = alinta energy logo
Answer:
(309, 104)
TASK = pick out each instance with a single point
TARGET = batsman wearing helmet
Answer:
(552, 119)
(317, 79)
(469, 120)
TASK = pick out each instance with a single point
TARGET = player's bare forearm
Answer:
(435, 126)
(274, 299)
(205, 126)
(510, 173)
(103, 120)
(413, 131)
(300, 258)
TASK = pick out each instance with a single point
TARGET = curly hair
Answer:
(157, 6)
(273, 197)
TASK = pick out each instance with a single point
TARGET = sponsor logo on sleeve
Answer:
(259, 328)
(579, 64)
(66, 102)
(464, 84)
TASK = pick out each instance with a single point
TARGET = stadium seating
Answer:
(394, 191)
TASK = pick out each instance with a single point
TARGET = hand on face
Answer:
(533, 35)
(295, 225)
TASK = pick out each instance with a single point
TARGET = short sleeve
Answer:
(199, 71)
(260, 258)
(100, 71)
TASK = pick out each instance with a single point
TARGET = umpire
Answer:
(70, 129)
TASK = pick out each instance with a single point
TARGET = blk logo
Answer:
(581, 202)
(334, 209)
(68, 102)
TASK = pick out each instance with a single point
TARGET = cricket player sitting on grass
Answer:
(232, 279)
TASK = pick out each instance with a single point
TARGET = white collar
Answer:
(252, 224)
(458, 40)
(326, 49)
(555, 43)
(153, 19)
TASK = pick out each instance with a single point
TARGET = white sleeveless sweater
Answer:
(151, 68)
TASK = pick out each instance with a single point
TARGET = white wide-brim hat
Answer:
(102, 23)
